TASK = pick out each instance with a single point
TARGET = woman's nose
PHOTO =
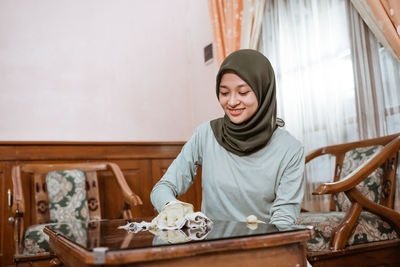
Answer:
(233, 100)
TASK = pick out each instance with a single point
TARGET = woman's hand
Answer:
(172, 214)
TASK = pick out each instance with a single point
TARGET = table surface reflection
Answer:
(105, 233)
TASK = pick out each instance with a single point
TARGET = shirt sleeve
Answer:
(180, 174)
(290, 191)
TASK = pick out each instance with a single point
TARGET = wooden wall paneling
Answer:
(87, 150)
(137, 175)
(6, 233)
(141, 183)
(193, 195)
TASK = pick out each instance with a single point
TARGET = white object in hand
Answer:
(172, 216)
(252, 219)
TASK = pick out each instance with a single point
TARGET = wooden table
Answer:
(227, 244)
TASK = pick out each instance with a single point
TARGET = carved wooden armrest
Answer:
(329, 150)
(362, 172)
(18, 207)
(314, 154)
(129, 197)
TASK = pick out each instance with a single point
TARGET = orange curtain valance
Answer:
(387, 13)
(383, 18)
(226, 18)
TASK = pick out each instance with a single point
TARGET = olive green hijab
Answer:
(252, 135)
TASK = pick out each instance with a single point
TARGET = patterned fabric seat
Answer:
(37, 242)
(67, 203)
(369, 228)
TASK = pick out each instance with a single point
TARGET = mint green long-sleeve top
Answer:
(268, 183)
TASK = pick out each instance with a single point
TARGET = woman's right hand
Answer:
(172, 214)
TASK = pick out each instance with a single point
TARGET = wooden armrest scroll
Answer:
(343, 230)
(314, 154)
(130, 197)
(362, 172)
(329, 150)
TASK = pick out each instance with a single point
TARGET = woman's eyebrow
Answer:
(239, 86)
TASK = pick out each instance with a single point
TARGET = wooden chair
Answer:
(53, 193)
(362, 228)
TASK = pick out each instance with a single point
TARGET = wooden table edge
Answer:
(184, 249)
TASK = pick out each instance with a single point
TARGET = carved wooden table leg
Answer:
(55, 262)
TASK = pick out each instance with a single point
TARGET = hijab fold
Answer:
(252, 135)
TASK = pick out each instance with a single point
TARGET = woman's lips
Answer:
(236, 111)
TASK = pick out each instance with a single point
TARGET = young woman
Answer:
(249, 165)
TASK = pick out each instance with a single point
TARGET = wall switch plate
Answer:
(208, 53)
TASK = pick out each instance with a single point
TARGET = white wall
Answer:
(100, 70)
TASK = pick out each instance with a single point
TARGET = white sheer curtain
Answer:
(391, 88)
(377, 83)
(308, 44)
(368, 77)
(253, 12)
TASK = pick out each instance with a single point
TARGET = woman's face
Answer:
(236, 97)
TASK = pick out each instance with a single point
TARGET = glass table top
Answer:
(105, 233)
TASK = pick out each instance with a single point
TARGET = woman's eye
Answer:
(223, 93)
(244, 93)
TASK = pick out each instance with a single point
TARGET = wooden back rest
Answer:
(39, 207)
(389, 167)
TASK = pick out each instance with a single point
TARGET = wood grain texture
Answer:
(370, 254)
(6, 233)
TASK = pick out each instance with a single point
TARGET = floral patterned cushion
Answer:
(369, 228)
(37, 242)
(67, 196)
(371, 186)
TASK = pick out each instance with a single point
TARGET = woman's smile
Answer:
(236, 111)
